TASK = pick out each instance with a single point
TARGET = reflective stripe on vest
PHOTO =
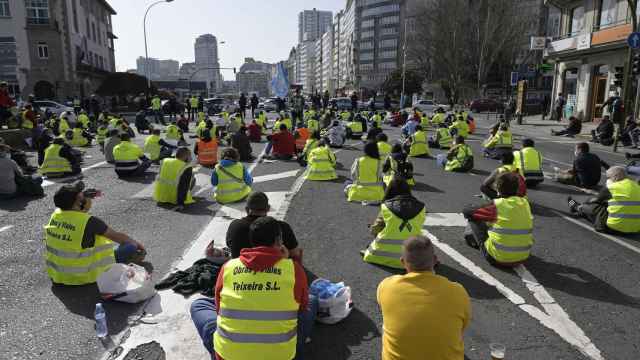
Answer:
(624, 206)
(80, 269)
(257, 338)
(510, 239)
(126, 165)
(536, 174)
(258, 315)
(77, 255)
(378, 174)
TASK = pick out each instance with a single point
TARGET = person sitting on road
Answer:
(366, 183)
(301, 135)
(80, 247)
(603, 134)
(278, 320)
(312, 143)
(528, 161)
(459, 127)
(141, 122)
(574, 128)
(502, 229)
(13, 182)
(183, 124)
(384, 148)
(175, 180)
(616, 208)
(458, 159)
(255, 131)
(401, 217)
(409, 128)
(373, 133)
(489, 185)
(500, 143)
(282, 143)
(237, 237)
(321, 163)
(417, 144)
(80, 137)
(354, 127)
(397, 164)
(406, 310)
(585, 172)
(102, 132)
(112, 141)
(442, 139)
(157, 148)
(206, 149)
(240, 141)
(337, 134)
(173, 132)
(129, 158)
(60, 160)
(230, 178)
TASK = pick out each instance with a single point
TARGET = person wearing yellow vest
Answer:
(616, 208)
(59, 160)
(83, 119)
(101, 135)
(499, 143)
(437, 118)
(460, 127)
(175, 180)
(261, 120)
(173, 132)
(231, 180)
(78, 246)
(442, 139)
(377, 119)
(401, 217)
(418, 144)
(489, 185)
(262, 307)
(157, 148)
(321, 163)
(458, 159)
(366, 177)
(63, 124)
(312, 142)
(420, 297)
(528, 161)
(77, 106)
(206, 149)
(129, 158)
(194, 103)
(313, 124)
(384, 148)
(80, 137)
(354, 128)
(503, 229)
(397, 164)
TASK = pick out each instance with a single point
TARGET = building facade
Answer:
(206, 59)
(56, 49)
(158, 69)
(254, 77)
(588, 41)
(312, 24)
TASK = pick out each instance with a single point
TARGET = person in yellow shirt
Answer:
(424, 314)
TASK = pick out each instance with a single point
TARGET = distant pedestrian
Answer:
(297, 103)
(559, 107)
(242, 104)
(325, 100)
(387, 103)
(545, 106)
(254, 105)
(354, 102)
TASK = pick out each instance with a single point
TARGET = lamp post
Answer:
(146, 49)
(404, 62)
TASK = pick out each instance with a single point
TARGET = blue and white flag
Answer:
(280, 82)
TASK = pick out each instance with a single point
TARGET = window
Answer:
(389, 54)
(387, 66)
(365, 45)
(608, 10)
(4, 8)
(388, 43)
(93, 31)
(101, 62)
(90, 58)
(390, 20)
(367, 23)
(389, 31)
(367, 34)
(366, 56)
(366, 67)
(88, 27)
(577, 20)
(43, 50)
(74, 9)
(381, 10)
(37, 11)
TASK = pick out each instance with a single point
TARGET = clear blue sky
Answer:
(264, 30)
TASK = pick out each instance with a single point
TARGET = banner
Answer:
(280, 82)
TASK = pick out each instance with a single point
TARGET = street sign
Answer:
(538, 42)
(634, 40)
(514, 78)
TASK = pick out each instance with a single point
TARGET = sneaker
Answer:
(471, 241)
(573, 205)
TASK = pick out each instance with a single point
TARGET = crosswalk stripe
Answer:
(277, 176)
(445, 219)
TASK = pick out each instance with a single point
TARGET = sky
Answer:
(263, 29)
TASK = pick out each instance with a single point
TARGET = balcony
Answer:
(611, 34)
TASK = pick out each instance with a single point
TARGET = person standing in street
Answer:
(558, 107)
(254, 105)
(156, 107)
(297, 110)
(242, 104)
(354, 102)
(413, 303)
(325, 100)
(193, 110)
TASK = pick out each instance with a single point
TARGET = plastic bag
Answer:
(127, 283)
(334, 300)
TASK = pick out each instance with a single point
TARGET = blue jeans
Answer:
(204, 316)
(441, 160)
(633, 170)
(124, 252)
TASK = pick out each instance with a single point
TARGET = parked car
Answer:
(56, 108)
(482, 105)
(214, 105)
(378, 103)
(425, 106)
(268, 105)
(341, 103)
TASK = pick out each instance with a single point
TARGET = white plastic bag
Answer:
(127, 283)
(336, 307)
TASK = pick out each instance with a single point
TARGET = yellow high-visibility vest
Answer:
(166, 185)
(368, 184)
(510, 237)
(231, 186)
(419, 144)
(624, 206)
(54, 164)
(321, 164)
(529, 163)
(152, 147)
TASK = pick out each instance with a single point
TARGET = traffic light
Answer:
(635, 69)
(618, 76)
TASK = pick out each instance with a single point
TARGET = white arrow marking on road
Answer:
(46, 183)
(445, 219)
(555, 317)
(5, 228)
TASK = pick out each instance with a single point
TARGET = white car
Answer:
(425, 106)
(56, 108)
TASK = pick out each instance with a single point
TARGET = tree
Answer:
(122, 83)
(413, 82)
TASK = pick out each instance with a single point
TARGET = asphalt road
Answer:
(576, 298)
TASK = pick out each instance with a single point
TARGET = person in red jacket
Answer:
(6, 103)
(268, 255)
(282, 143)
(255, 132)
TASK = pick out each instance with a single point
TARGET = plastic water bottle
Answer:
(101, 321)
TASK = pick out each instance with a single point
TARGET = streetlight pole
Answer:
(404, 62)
(146, 48)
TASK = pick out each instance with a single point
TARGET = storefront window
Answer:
(577, 20)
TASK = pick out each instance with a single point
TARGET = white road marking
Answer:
(277, 176)
(445, 219)
(5, 228)
(249, 169)
(555, 318)
(590, 228)
(46, 183)
(202, 181)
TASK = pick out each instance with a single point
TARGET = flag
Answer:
(280, 82)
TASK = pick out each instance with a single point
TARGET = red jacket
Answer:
(283, 143)
(255, 132)
(260, 258)
(5, 100)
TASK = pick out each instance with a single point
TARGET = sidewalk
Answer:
(534, 125)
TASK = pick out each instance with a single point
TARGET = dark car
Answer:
(214, 105)
(482, 105)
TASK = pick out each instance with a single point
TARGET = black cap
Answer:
(65, 197)
(257, 201)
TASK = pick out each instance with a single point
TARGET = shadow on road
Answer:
(18, 203)
(480, 172)
(578, 282)
(82, 300)
(476, 288)
(422, 187)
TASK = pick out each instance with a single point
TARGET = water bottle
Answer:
(101, 321)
